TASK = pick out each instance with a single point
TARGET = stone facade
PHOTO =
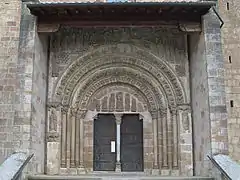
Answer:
(153, 72)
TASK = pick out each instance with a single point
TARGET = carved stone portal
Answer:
(120, 78)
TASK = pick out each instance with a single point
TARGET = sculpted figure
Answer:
(185, 121)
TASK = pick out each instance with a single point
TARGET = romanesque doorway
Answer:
(125, 81)
(118, 146)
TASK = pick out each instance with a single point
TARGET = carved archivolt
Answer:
(111, 77)
(141, 60)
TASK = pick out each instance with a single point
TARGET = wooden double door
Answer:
(131, 143)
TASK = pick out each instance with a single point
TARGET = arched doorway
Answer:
(111, 82)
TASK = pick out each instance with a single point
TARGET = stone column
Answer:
(186, 143)
(155, 170)
(164, 155)
(80, 118)
(169, 137)
(118, 123)
(64, 137)
(53, 139)
(73, 112)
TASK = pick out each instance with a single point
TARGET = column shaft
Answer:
(118, 133)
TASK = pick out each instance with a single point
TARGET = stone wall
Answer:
(30, 94)
(10, 127)
(230, 13)
(22, 102)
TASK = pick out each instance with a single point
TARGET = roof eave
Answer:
(181, 3)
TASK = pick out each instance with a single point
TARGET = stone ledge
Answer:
(113, 176)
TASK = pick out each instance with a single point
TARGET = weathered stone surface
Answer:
(230, 13)
(9, 38)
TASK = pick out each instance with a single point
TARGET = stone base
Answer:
(155, 172)
(118, 167)
(81, 170)
(165, 172)
(53, 158)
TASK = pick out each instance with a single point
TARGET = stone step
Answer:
(115, 177)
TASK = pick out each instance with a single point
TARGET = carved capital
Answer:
(118, 118)
(73, 111)
(154, 114)
(53, 104)
(53, 136)
(164, 112)
(81, 113)
(184, 107)
(64, 108)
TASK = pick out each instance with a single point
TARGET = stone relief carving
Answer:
(53, 109)
(53, 120)
(53, 137)
(91, 87)
(185, 121)
(185, 110)
(93, 35)
(120, 100)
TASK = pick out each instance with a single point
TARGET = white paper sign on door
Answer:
(112, 146)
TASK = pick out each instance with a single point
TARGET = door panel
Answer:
(131, 143)
(104, 133)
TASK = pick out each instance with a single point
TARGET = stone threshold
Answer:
(113, 176)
